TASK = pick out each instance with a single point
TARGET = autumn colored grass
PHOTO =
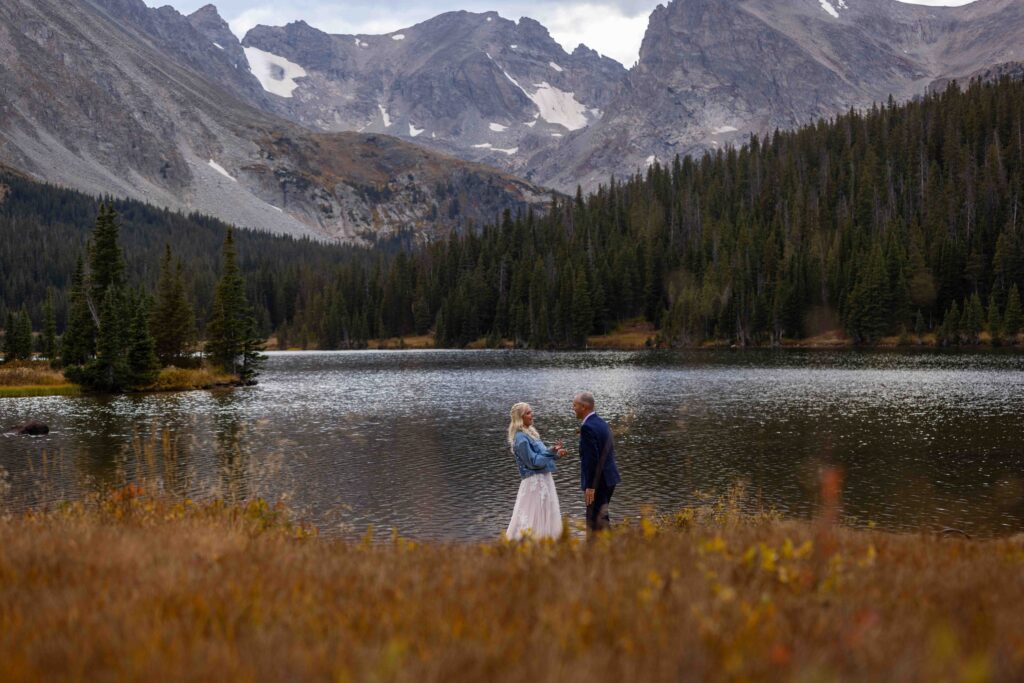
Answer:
(30, 373)
(632, 334)
(185, 379)
(34, 378)
(130, 587)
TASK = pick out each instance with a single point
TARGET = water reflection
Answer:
(415, 439)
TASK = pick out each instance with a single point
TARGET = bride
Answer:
(536, 513)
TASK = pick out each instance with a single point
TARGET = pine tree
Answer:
(868, 315)
(143, 363)
(106, 261)
(972, 320)
(995, 323)
(172, 323)
(950, 331)
(231, 331)
(78, 344)
(109, 370)
(49, 348)
(1013, 318)
(582, 312)
(252, 358)
(23, 335)
(10, 338)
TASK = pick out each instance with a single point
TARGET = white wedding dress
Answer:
(536, 513)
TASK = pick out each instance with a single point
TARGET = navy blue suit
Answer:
(596, 443)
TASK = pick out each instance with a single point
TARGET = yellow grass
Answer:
(634, 334)
(136, 588)
(185, 379)
(22, 379)
(43, 390)
(30, 374)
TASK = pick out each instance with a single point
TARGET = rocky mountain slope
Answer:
(711, 72)
(112, 97)
(479, 85)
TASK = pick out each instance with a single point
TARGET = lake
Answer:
(415, 439)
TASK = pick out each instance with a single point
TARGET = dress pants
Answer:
(597, 513)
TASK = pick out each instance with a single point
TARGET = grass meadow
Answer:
(130, 586)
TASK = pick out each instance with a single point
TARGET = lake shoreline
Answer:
(170, 379)
(244, 591)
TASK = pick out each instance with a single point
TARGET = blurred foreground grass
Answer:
(132, 587)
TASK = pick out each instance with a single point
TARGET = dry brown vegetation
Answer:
(30, 373)
(33, 378)
(632, 334)
(184, 379)
(137, 588)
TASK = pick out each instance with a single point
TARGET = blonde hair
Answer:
(516, 425)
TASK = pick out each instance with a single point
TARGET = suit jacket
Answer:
(595, 438)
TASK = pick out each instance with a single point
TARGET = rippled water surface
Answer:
(415, 439)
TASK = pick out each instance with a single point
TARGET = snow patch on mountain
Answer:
(398, 36)
(414, 131)
(497, 127)
(724, 129)
(275, 73)
(827, 6)
(220, 169)
(556, 67)
(384, 115)
(558, 106)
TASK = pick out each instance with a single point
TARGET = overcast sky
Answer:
(612, 27)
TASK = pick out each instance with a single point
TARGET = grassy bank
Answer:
(34, 378)
(133, 588)
(186, 379)
(24, 379)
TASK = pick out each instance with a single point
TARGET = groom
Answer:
(598, 473)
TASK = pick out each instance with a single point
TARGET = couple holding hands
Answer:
(537, 513)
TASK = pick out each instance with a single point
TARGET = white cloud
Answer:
(602, 26)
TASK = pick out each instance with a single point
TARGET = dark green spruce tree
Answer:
(49, 339)
(143, 363)
(78, 343)
(172, 322)
(231, 341)
(23, 334)
(1013, 318)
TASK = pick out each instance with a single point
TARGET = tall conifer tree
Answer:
(231, 334)
(78, 344)
(172, 323)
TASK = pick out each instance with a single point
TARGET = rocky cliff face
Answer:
(711, 72)
(110, 96)
(477, 85)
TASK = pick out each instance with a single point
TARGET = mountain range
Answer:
(113, 97)
(452, 120)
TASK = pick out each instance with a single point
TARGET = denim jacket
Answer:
(533, 457)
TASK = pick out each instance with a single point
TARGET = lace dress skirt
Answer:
(536, 513)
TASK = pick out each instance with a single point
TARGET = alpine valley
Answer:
(450, 121)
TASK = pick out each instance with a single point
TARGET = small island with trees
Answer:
(118, 338)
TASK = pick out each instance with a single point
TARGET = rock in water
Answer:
(32, 428)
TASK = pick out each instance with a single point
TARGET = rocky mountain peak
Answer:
(472, 84)
(711, 72)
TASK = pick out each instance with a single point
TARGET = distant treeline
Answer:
(899, 219)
